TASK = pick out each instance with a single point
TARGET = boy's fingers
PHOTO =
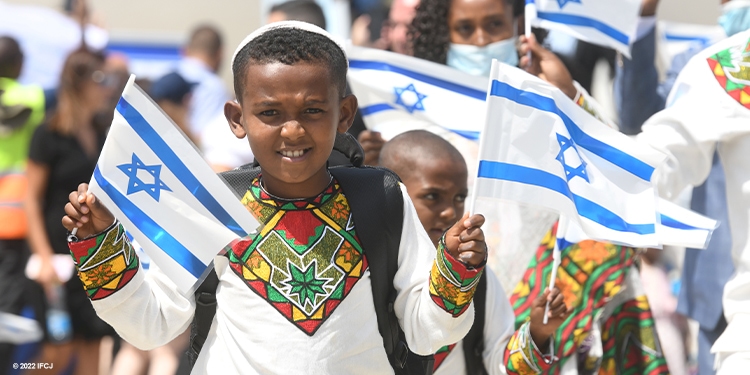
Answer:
(476, 220)
(471, 257)
(558, 311)
(472, 234)
(73, 212)
(475, 246)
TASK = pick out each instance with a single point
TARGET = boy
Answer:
(295, 298)
(435, 175)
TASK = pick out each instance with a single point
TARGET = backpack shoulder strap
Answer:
(473, 343)
(205, 295)
(377, 207)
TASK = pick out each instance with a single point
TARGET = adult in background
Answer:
(21, 111)
(200, 65)
(639, 94)
(63, 152)
(298, 10)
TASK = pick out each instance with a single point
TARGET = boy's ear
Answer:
(348, 108)
(233, 113)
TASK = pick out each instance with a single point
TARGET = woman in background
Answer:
(64, 152)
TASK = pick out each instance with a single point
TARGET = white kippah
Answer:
(288, 25)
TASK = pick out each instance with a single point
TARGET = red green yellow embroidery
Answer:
(591, 273)
(105, 263)
(307, 257)
(731, 67)
(452, 284)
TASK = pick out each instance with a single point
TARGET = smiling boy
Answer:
(296, 298)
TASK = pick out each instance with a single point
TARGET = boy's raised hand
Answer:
(465, 240)
(558, 313)
(86, 213)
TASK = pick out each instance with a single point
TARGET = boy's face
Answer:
(438, 189)
(290, 114)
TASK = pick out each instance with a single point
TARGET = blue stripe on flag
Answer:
(585, 207)
(170, 245)
(447, 85)
(176, 166)
(575, 20)
(375, 108)
(595, 146)
(672, 223)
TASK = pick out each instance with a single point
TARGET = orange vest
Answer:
(12, 216)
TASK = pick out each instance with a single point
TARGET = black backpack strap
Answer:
(205, 310)
(474, 341)
(377, 206)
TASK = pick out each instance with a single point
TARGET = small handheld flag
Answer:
(604, 22)
(396, 90)
(539, 147)
(157, 184)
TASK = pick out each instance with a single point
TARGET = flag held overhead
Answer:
(157, 184)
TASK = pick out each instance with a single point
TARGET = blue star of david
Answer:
(135, 184)
(417, 106)
(562, 3)
(570, 172)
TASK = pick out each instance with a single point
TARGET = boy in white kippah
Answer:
(299, 297)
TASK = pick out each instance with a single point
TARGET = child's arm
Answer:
(433, 304)
(146, 310)
(505, 347)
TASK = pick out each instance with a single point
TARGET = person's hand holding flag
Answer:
(85, 214)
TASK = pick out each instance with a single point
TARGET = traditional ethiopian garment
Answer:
(294, 299)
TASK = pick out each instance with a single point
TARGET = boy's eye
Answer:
(460, 198)
(313, 110)
(269, 112)
(430, 196)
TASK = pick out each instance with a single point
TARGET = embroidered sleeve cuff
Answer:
(105, 262)
(523, 357)
(452, 283)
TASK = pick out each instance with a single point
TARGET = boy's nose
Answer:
(449, 213)
(292, 130)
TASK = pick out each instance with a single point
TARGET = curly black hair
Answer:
(429, 34)
(290, 46)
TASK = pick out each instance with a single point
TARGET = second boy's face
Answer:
(290, 114)
(438, 189)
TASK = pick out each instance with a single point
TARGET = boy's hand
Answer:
(558, 312)
(465, 240)
(86, 213)
(372, 142)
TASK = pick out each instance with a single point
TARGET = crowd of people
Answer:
(307, 293)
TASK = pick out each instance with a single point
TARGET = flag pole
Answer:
(561, 228)
(529, 15)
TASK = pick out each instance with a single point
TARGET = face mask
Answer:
(735, 17)
(478, 60)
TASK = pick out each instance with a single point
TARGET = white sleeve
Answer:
(427, 326)
(499, 326)
(144, 307)
(148, 312)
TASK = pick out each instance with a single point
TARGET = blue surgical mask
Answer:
(478, 60)
(735, 17)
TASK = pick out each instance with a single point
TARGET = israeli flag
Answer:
(678, 226)
(683, 227)
(160, 188)
(539, 147)
(399, 91)
(609, 23)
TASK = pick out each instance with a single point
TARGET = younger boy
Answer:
(435, 175)
(295, 298)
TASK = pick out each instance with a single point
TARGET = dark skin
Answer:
(480, 22)
(290, 115)
(438, 188)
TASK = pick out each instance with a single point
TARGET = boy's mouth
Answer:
(294, 154)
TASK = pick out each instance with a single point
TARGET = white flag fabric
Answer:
(160, 188)
(396, 90)
(609, 23)
(678, 226)
(676, 38)
(683, 227)
(538, 147)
